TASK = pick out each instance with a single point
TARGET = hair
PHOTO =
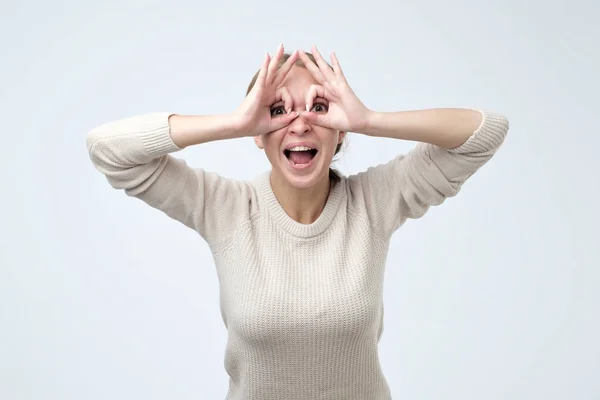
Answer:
(334, 175)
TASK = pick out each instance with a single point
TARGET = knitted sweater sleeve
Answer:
(407, 186)
(135, 156)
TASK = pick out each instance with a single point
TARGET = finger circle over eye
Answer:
(282, 94)
(314, 91)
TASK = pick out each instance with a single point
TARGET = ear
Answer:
(259, 142)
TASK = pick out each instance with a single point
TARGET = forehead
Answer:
(298, 79)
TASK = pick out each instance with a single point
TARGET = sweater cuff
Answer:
(155, 134)
(488, 136)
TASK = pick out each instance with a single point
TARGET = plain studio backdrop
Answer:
(493, 295)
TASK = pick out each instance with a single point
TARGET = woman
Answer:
(300, 251)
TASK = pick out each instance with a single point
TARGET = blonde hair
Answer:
(334, 175)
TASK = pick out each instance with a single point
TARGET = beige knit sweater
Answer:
(302, 303)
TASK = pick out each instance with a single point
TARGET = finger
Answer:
(313, 92)
(282, 94)
(316, 118)
(282, 121)
(285, 69)
(311, 66)
(273, 65)
(337, 69)
(262, 73)
(323, 66)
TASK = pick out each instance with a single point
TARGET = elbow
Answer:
(92, 140)
(496, 128)
(488, 137)
(102, 152)
(90, 143)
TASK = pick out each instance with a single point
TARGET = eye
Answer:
(320, 107)
(279, 110)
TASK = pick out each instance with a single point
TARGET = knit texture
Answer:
(303, 304)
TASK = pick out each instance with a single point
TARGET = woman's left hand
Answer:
(345, 112)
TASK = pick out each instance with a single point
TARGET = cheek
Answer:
(271, 144)
(332, 139)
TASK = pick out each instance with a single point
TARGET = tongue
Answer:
(300, 157)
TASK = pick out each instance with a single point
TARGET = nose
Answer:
(299, 125)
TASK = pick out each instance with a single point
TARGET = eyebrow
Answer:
(317, 99)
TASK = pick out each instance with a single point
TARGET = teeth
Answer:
(300, 148)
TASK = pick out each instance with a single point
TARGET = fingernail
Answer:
(289, 110)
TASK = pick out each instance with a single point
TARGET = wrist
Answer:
(236, 125)
(241, 124)
(367, 123)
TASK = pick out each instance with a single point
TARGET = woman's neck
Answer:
(302, 205)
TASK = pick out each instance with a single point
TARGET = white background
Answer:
(493, 295)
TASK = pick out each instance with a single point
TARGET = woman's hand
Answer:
(254, 117)
(345, 111)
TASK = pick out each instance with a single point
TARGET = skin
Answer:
(302, 193)
(315, 104)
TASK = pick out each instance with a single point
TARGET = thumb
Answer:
(317, 118)
(282, 121)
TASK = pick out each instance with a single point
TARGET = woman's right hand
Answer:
(254, 116)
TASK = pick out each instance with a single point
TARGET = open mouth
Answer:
(300, 155)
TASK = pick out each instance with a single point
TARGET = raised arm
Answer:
(135, 155)
(454, 144)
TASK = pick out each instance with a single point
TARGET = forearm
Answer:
(189, 130)
(444, 127)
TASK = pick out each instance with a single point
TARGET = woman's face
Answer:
(301, 153)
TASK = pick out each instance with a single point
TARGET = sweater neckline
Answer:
(288, 223)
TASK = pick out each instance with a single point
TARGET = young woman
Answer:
(300, 251)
